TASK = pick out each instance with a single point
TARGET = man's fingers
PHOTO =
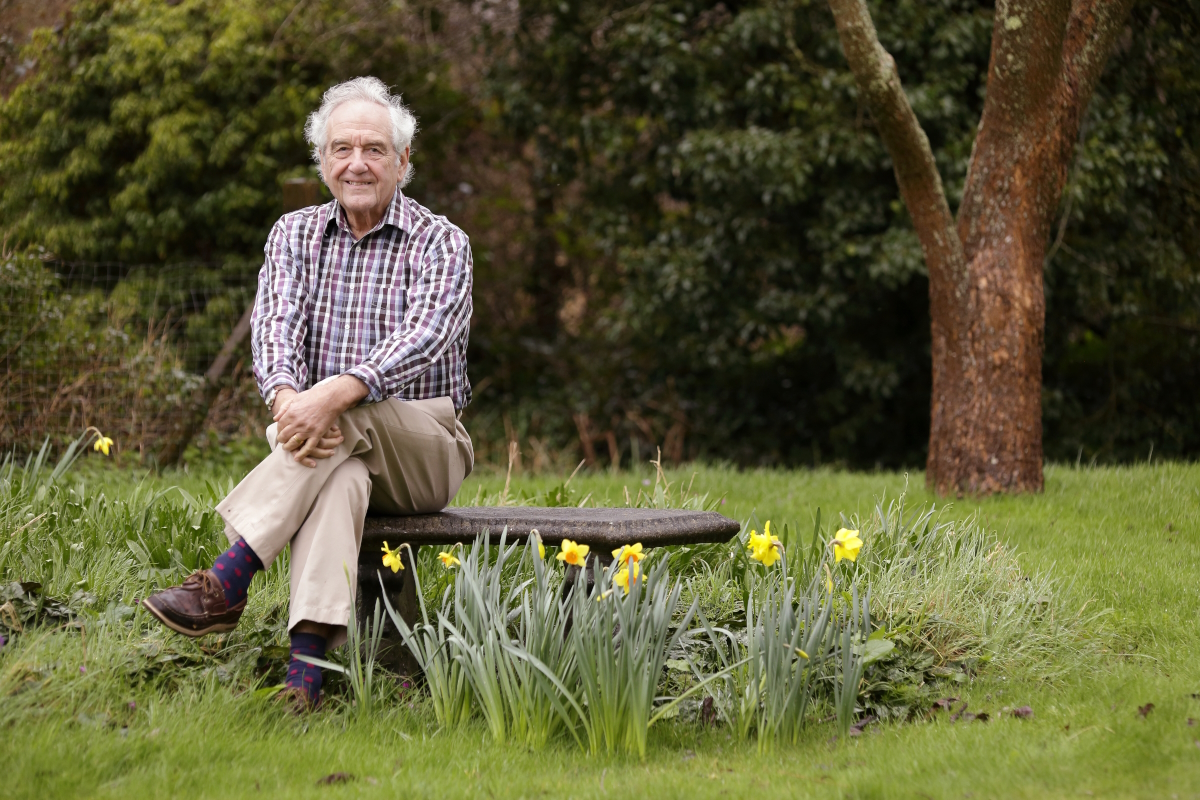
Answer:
(304, 453)
(293, 442)
(322, 449)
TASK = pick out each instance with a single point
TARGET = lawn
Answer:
(1120, 544)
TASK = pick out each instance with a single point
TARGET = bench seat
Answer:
(599, 528)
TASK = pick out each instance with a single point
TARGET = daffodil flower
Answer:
(628, 552)
(102, 444)
(391, 558)
(604, 595)
(448, 559)
(537, 537)
(572, 553)
(625, 576)
(846, 544)
(763, 547)
(828, 579)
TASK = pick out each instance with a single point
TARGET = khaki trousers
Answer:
(399, 457)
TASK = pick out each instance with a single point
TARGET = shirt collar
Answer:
(397, 215)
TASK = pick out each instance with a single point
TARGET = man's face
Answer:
(360, 164)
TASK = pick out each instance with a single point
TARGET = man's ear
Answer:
(402, 167)
(321, 172)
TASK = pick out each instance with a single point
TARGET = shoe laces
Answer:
(205, 580)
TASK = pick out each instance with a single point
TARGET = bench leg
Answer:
(589, 577)
(402, 594)
(573, 572)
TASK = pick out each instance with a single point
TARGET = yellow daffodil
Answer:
(102, 444)
(604, 595)
(828, 579)
(802, 654)
(572, 553)
(628, 552)
(391, 558)
(626, 575)
(764, 548)
(537, 537)
(846, 544)
(448, 559)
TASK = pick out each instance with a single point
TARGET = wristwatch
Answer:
(270, 398)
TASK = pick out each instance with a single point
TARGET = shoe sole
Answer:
(193, 633)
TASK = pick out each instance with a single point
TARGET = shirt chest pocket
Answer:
(388, 306)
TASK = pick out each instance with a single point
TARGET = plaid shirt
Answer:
(392, 309)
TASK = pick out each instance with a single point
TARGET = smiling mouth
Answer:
(358, 183)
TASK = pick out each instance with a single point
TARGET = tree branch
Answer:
(1023, 70)
(912, 158)
(1026, 58)
(1091, 31)
(193, 414)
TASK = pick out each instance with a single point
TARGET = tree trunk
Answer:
(546, 275)
(986, 301)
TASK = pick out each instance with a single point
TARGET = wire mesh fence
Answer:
(125, 349)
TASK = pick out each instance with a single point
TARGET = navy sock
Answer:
(301, 674)
(235, 569)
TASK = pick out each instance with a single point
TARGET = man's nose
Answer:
(357, 162)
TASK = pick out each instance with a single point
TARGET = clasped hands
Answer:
(307, 421)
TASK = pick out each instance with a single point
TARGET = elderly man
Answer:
(359, 335)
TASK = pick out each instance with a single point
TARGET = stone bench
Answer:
(602, 529)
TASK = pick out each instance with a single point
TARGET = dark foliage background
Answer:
(687, 233)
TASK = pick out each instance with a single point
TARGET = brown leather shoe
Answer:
(195, 608)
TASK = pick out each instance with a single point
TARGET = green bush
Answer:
(76, 357)
(155, 132)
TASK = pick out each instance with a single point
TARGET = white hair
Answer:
(372, 90)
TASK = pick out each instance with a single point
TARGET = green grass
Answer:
(1124, 539)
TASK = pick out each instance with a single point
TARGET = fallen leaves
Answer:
(335, 778)
(857, 728)
(947, 704)
(708, 713)
(1144, 711)
(1022, 712)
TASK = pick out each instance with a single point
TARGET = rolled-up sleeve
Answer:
(278, 325)
(437, 311)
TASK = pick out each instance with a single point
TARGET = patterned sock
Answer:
(235, 569)
(302, 674)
